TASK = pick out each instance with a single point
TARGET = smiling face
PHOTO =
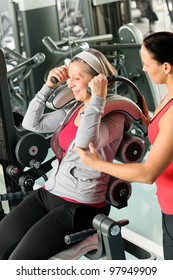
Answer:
(152, 67)
(79, 78)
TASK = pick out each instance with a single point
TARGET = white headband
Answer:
(93, 61)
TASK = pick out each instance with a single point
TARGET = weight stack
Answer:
(118, 193)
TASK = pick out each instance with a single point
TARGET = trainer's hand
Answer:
(89, 158)
(145, 116)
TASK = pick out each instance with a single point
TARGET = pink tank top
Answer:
(68, 133)
(164, 182)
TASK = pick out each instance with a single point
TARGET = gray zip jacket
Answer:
(69, 177)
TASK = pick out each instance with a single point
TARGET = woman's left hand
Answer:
(98, 86)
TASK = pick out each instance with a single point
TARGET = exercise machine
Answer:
(10, 117)
(107, 230)
(28, 163)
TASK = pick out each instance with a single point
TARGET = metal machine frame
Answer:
(111, 244)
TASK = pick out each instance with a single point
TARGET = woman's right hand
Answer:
(60, 73)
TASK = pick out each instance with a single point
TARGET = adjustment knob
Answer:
(26, 182)
(12, 170)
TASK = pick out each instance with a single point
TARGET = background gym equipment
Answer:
(124, 56)
(28, 32)
(10, 117)
(19, 69)
(111, 14)
(31, 151)
(169, 4)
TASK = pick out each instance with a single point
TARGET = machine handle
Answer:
(71, 48)
(78, 236)
(28, 62)
(57, 47)
(9, 53)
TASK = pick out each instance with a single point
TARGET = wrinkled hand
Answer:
(145, 116)
(89, 158)
(98, 86)
(61, 73)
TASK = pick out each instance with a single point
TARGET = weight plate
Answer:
(31, 146)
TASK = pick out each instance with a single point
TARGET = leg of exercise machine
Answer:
(111, 245)
(8, 132)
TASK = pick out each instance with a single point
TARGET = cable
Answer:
(68, 29)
